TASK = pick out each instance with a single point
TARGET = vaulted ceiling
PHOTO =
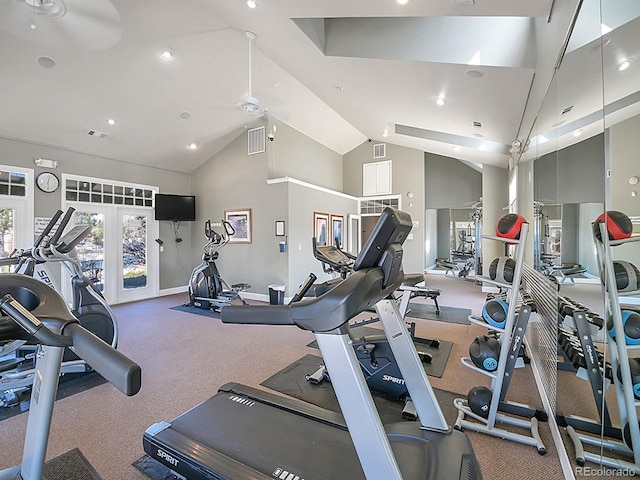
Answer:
(339, 71)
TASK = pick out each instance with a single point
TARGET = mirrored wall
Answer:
(584, 147)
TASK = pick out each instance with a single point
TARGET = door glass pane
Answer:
(91, 249)
(134, 251)
(7, 235)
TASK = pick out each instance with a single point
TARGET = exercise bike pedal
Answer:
(425, 357)
(319, 376)
(409, 411)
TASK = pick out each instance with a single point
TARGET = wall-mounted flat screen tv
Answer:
(175, 208)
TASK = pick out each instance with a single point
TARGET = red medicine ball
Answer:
(618, 225)
(509, 226)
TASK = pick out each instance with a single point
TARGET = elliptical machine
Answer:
(88, 306)
(38, 313)
(207, 289)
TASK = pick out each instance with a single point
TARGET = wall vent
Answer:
(97, 134)
(380, 150)
(477, 124)
(255, 138)
(567, 110)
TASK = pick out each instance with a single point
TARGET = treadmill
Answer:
(246, 433)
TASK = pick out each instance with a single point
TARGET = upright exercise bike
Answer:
(88, 306)
(374, 354)
(207, 289)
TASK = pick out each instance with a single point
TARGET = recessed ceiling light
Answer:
(166, 53)
(473, 73)
(46, 62)
(192, 146)
(402, 2)
(625, 64)
(111, 121)
(185, 115)
(252, 3)
(439, 100)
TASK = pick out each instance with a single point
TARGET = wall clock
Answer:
(47, 182)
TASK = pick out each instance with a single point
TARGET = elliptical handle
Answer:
(63, 224)
(207, 229)
(114, 366)
(47, 229)
(32, 324)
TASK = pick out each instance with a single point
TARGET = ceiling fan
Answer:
(250, 104)
(94, 25)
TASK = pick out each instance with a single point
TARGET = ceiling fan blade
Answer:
(94, 25)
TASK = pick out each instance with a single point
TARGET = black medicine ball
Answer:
(502, 269)
(484, 352)
(479, 400)
(618, 225)
(627, 276)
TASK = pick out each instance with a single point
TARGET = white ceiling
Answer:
(338, 71)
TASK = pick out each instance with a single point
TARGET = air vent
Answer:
(477, 124)
(255, 138)
(380, 150)
(566, 110)
(97, 134)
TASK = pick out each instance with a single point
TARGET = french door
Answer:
(119, 255)
(16, 210)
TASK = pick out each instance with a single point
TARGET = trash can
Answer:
(276, 294)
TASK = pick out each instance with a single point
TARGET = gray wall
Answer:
(232, 179)
(624, 145)
(450, 183)
(302, 202)
(22, 154)
(571, 175)
(235, 180)
(407, 176)
(294, 154)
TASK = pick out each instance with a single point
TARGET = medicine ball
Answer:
(502, 269)
(509, 226)
(479, 400)
(627, 276)
(484, 352)
(631, 325)
(626, 434)
(495, 311)
(634, 368)
(618, 225)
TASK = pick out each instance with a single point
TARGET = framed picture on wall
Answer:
(337, 230)
(240, 220)
(321, 228)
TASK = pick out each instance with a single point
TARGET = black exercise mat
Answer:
(447, 314)
(291, 381)
(70, 384)
(153, 469)
(198, 311)
(69, 466)
(439, 355)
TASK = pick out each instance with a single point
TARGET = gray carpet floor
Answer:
(186, 357)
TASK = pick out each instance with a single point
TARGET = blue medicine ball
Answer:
(631, 323)
(495, 311)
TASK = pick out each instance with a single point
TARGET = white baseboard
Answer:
(173, 291)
